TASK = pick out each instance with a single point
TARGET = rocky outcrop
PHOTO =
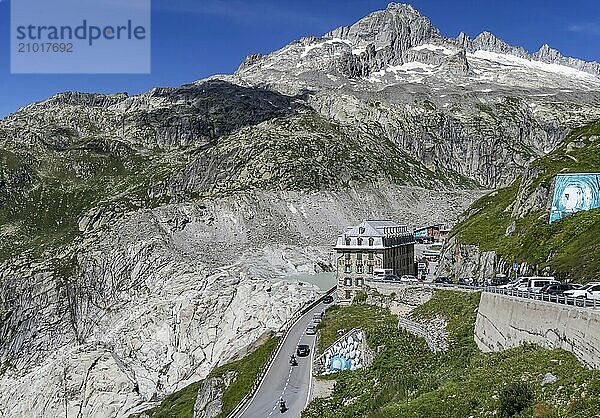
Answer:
(433, 332)
(552, 56)
(386, 37)
(487, 41)
(209, 403)
(468, 261)
(350, 352)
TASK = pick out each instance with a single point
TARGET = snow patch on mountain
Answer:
(511, 61)
(435, 48)
(309, 48)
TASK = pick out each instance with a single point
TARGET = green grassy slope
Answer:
(42, 196)
(570, 247)
(407, 380)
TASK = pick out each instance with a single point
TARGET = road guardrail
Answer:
(581, 302)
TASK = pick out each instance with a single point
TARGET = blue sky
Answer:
(192, 39)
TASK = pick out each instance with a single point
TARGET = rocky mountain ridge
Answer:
(394, 71)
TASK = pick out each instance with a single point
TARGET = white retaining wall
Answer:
(504, 322)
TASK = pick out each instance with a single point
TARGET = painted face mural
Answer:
(573, 193)
(340, 363)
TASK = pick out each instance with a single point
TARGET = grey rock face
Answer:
(530, 199)
(552, 56)
(387, 36)
(463, 260)
(487, 41)
(209, 403)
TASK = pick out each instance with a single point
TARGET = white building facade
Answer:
(374, 244)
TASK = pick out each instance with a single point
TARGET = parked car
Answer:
(303, 350)
(515, 283)
(380, 274)
(581, 292)
(391, 278)
(328, 299)
(317, 316)
(522, 287)
(465, 281)
(499, 280)
(407, 278)
(593, 292)
(536, 284)
(558, 289)
(443, 280)
(311, 329)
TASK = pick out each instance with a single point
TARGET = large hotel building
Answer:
(374, 244)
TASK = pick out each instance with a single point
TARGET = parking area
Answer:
(580, 299)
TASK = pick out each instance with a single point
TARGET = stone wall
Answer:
(504, 322)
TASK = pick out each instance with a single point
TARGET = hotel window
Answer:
(359, 241)
(348, 241)
(359, 268)
(370, 269)
(370, 256)
(371, 241)
(359, 256)
(348, 281)
(360, 281)
(348, 268)
(347, 256)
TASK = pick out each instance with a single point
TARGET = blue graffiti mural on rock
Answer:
(574, 193)
(346, 354)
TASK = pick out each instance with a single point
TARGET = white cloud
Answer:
(586, 27)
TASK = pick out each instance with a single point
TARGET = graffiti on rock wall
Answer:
(574, 193)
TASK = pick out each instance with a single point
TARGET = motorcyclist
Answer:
(282, 406)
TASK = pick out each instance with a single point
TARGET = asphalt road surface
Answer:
(292, 383)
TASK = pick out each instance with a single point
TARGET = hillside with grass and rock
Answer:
(407, 379)
(511, 225)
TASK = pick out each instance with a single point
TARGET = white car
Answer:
(522, 287)
(593, 292)
(581, 292)
(535, 285)
(515, 283)
(407, 278)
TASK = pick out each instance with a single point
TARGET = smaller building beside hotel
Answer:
(374, 244)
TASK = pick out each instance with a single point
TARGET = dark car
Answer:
(499, 280)
(558, 289)
(328, 299)
(303, 350)
(391, 278)
(443, 280)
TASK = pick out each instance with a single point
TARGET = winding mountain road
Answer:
(292, 383)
